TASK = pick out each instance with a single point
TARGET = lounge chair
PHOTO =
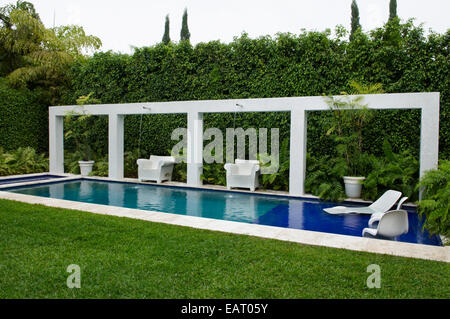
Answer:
(392, 224)
(381, 205)
(243, 173)
(377, 216)
(157, 168)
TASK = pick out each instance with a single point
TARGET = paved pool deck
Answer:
(305, 237)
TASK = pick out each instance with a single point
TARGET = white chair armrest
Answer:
(228, 166)
(144, 162)
(149, 163)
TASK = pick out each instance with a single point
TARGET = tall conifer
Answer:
(166, 36)
(184, 34)
(355, 25)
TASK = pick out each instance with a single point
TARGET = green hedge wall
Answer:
(313, 63)
(23, 118)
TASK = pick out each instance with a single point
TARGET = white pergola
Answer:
(428, 103)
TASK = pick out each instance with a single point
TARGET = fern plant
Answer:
(280, 179)
(24, 160)
(435, 202)
(324, 177)
(100, 167)
(214, 173)
(71, 165)
(393, 171)
(180, 172)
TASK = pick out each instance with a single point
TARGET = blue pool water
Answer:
(242, 207)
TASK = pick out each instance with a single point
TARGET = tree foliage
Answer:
(392, 9)
(355, 25)
(166, 36)
(34, 55)
(185, 35)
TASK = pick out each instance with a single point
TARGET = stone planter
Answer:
(86, 167)
(353, 186)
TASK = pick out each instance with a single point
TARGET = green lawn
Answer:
(126, 258)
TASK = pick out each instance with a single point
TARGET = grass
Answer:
(126, 258)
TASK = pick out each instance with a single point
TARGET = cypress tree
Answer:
(392, 9)
(355, 25)
(166, 36)
(184, 34)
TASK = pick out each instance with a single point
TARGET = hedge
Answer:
(312, 63)
(23, 118)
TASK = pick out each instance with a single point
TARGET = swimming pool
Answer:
(272, 210)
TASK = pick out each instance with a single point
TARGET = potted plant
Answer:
(78, 123)
(348, 120)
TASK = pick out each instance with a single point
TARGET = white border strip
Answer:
(286, 234)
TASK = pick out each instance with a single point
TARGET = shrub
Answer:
(435, 202)
(24, 160)
(393, 171)
(23, 118)
(280, 179)
(324, 177)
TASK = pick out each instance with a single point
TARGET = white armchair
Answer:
(157, 168)
(244, 173)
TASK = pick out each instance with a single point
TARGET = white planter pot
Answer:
(86, 167)
(353, 186)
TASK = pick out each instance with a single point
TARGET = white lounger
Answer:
(381, 205)
(377, 216)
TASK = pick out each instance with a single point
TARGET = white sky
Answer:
(122, 24)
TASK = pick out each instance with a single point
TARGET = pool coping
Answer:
(60, 177)
(369, 245)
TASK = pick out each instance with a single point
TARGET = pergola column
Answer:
(194, 148)
(297, 164)
(56, 144)
(429, 135)
(115, 146)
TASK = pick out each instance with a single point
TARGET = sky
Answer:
(124, 24)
